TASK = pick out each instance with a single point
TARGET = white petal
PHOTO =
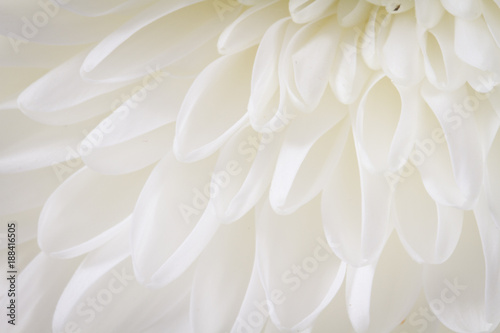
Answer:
(352, 12)
(62, 97)
(293, 265)
(349, 72)
(454, 111)
(428, 13)
(311, 52)
(467, 9)
(334, 316)
(355, 210)
(244, 171)
(475, 45)
(373, 37)
(385, 124)
(26, 225)
(172, 223)
(311, 149)
(248, 29)
(120, 56)
(268, 101)
(28, 145)
(222, 276)
(214, 107)
(47, 23)
(492, 180)
(491, 13)
(10, 89)
(381, 295)
(26, 190)
(402, 59)
(140, 131)
(99, 8)
(303, 11)
(86, 211)
(254, 310)
(462, 292)
(429, 231)
(442, 66)
(98, 295)
(41, 288)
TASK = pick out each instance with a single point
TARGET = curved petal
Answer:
(475, 45)
(173, 20)
(470, 276)
(442, 66)
(381, 295)
(244, 171)
(41, 288)
(429, 231)
(402, 60)
(311, 52)
(26, 225)
(25, 190)
(248, 29)
(46, 22)
(268, 101)
(386, 124)
(86, 211)
(303, 11)
(222, 276)
(62, 97)
(334, 316)
(355, 210)
(96, 297)
(373, 37)
(428, 13)
(140, 131)
(172, 221)
(490, 14)
(467, 9)
(293, 265)
(352, 12)
(349, 72)
(214, 107)
(455, 113)
(27, 145)
(492, 180)
(311, 149)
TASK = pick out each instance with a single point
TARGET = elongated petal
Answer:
(454, 111)
(244, 171)
(28, 145)
(62, 97)
(492, 180)
(352, 12)
(386, 124)
(475, 45)
(249, 27)
(214, 107)
(428, 231)
(428, 13)
(96, 296)
(294, 275)
(310, 150)
(123, 49)
(303, 11)
(172, 223)
(41, 290)
(467, 9)
(222, 276)
(355, 210)
(442, 66)
(468, 277)
(86, 211)
(402, 59)
(381, 295)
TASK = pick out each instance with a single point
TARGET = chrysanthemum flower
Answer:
(250, 166)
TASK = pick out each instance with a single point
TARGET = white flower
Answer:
(253, 166)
